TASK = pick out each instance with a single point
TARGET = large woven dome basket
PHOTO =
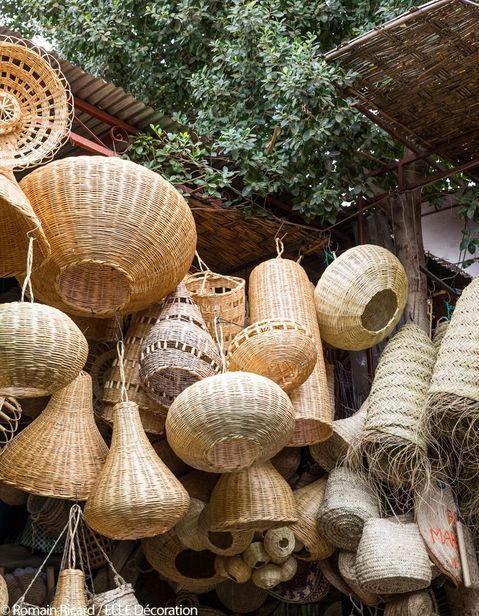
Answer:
(360, 297)
(122, 237)
(229, 421)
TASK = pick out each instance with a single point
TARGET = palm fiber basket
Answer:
(360, 297)
(70, 594)
(121, 236)
(61, 452)
(42, 350)
(229, 421)
(347, 569)
(416, 604)
(135, 494)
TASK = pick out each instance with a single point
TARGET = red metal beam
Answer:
(103, 116)
(91, 146)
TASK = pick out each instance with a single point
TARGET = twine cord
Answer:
(27, 283)
(279, 245)
(120, 348)
(220, 341)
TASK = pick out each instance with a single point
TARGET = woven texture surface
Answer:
(50, 514)
(11, 496)
(19, 580)
(415, 604)
(120, 600)
(241, 598)
(71, 592)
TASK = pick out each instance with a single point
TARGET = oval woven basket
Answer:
(347, 569)
(241, 598)
(416, 604)
(121, 236)
(70, 595)
(135, 495)
(41, 350)
(360, 297)
(61, 452)
(229, 421)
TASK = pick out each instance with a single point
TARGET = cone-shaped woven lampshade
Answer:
(256, 498)
(229, 421)
(136, 494)
(70, 596)
(61, 452)
(41, 350)
(121, 236)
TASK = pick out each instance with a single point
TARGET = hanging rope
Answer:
(279, 245)
(27, 283)
(120, 348)
(220, 341)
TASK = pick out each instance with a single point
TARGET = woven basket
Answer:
(120, 600)
(50, 514)
(199, 484)
(169, 457)
(241, 598)
(287, 461)
(253, 499)
(187, 529)
(178, 350)
(307, 586)
(417, 604)
(70, 595)
(61, 452)
(192, 570)
(11, 496)
(347, 569)
(121, 236)
(42, 350)
(3, 594)
(135, 495)
(308, 502)
(267, 577)
(280, 289)
(392, 558)
(10, 414)
(229, 421)
(360, 297)
(99, 330)
(255, 555)
(280, 349)
(348, 503)
(279, 543)
(19, 581)
(233, 568)
(219, 296)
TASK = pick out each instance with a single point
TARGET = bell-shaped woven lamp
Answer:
(70, 596)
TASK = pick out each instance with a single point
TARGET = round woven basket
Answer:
(61, 452)
(121, 236)
(308, 501)
(416, 604)
(347, 504)
(280, 289)
(347, 569)
(287, 461)
(50, 514)
(229, 421)
(219, 296)
(10, 414)
(360, 297)
(42, 350)
(178, 350)
(11, 496)
(280, 349)
(70, 594)
(268, 576)
(241, 598)
(135, 495)
(256, 498)
(392, 558)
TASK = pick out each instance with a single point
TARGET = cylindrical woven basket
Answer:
(256, 498)
(347, 569)
(61, 452)
(308, 501)
(42, 350)
(219, 296)
(229, 421)
(416, 604)
(10, 414)
(360, 297)
(241, 598)
(347, 504)
(135, 495)
(287, 461)
(280, 289)
(50, 514)
(122, 237)
(70, 594)
(392, 558)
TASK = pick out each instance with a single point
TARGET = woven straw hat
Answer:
(71, 592)
(347, 504)
(92, 270)
(229, 421)
(360, 297)
(347, 569)
(241, 598)
(255, 498)
(392, 558)
(136, 495)
(416, 604)
(61, 452)
(42, 350)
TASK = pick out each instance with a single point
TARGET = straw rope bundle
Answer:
(347, 504)
(229, 421)
(10, 414)
(360, 297)
(93, 271)
(391, 558)
(416, 604)
(135, 495)
(347, 569)
(41, 350)
(280, 289)
(50, 514)
(70, 594)
(61, 452)
(241, 598)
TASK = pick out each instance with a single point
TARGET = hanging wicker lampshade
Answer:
(70, 595)
(360, 297)
(121, 236)
(41, 350)
(229, 421)
(61, 452)
(136, 495)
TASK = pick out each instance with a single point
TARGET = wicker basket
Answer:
(229, 421)
(99, 330)
(256, 498)
(61, 452)
(178, 350)
(70, 595)
(42, 350)
(280, 349)
(279, 543)
(348, 503)
(360, 297)
(187, 529)
(10, 414)
(50, 514)
(347, 569)
(267, 577)
(120, 600)
(121, 236)
(169, 457)
(199, 484)
(308, 502)
(241, 598)
(392, 558)
(219, 296)
(416, 604)
(11, 496)
(287, 461)
(19, 581)
(280, 289)
(233, 568)
(136, 495)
